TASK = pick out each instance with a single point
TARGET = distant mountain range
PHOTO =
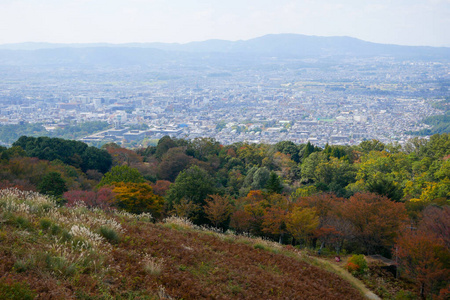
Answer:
(282, 46)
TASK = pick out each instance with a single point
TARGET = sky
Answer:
(402, 22)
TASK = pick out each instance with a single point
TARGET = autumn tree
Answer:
(172, 163)
(137, 198)
(218, 209)
(241, 221)
(254, 205)
(423, 252)
(186, 208)
(102, 198)
(376, 220)
(333, 230)
(301, 222)
(122, 156)
(424, 258)
(160, 187)
(274, 222)
(436, 220)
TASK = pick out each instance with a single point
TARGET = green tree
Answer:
(202, 148)
(310, 164)
(52, 184)
(274, 183)
(308, 149)
(372, 145)
(260, 178)
(385, 187)
(193, 184)
(288, 147)
(121, 174)
(164, 144)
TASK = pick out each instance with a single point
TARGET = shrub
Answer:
(65, 235)
(404, 295)
(55, 229)
(59, 265)
(357, 264)
(20, 266)
(109, 234)
(45, 224)
(22, 222)
(259, 246)
(15, 290)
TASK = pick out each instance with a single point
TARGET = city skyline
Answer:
(90, 21)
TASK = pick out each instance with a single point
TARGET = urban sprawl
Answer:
(337, 103)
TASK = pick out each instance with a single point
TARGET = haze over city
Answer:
(232, 149)
(412, 22)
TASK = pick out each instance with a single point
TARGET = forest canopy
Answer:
(357, 199)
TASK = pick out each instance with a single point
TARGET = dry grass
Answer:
(153, 265)
(64, 257)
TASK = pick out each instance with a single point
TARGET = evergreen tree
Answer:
(274, 184)
(52, 184)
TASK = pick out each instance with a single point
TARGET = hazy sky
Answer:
(405, 22)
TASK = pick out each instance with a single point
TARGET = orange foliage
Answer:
(137, 198)
(217, 209)
(255, 196)
(376, 219)
(274, 220)
(425, 259)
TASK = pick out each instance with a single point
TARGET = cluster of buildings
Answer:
(340, 103)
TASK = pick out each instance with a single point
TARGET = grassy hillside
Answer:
(77, 253)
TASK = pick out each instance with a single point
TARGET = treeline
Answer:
(361, 199)
(73, 153)
(10, 133)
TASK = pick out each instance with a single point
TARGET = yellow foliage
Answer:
(301, 222)
(137, 198)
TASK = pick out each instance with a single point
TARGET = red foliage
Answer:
(425, 259)
(20, 184)
(324, 204)
(274, 221)
(103, 198)
(241, 221)
(436, 221)
(351, 267)
(217, 209)
(424, 253)
(231, 152)
(375, 219)
(161, 187)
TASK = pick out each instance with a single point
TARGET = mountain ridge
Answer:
(282, 46)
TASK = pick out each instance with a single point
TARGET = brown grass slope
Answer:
(51, 258)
